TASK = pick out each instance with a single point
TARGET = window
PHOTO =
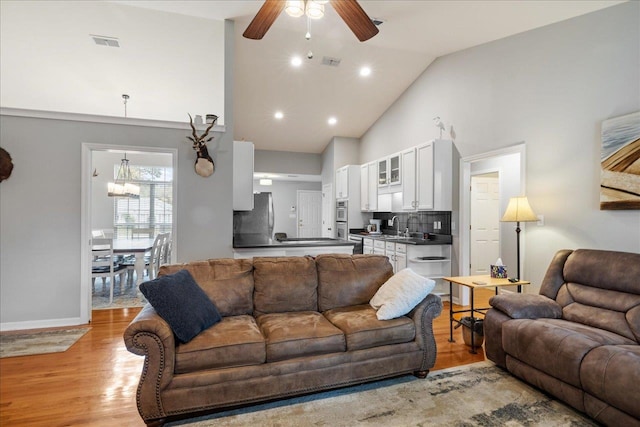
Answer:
(152, 213)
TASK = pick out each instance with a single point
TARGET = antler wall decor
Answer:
(204, 165)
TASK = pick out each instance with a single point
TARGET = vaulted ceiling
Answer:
(413, 34)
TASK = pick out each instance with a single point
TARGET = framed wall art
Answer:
(620, 163)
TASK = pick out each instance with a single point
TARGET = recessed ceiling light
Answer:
(278, 115)
(296, 61)
(365, 71)
(332, 121)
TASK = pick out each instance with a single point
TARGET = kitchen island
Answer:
(258, 245)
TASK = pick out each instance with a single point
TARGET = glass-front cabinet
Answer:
(389, 171)
(382, 172)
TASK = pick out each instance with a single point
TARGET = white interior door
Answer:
(327, 211)
(309, 213)
(485, 222)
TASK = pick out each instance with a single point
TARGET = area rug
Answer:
(480, 394)
(127, 297)
(27, 344)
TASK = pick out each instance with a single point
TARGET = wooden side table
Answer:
(473, 283)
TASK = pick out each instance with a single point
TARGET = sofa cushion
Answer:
(526, 306)
(345, 280)
(537, 342)
(235, 341)
(400, 294)
(302, 333)
(612, 374)
(227, 282)
(362, 328)
(179, 300)
(285, 284)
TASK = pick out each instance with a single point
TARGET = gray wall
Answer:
(287, 162)
(285, 194)
(551, 88)
(40, 206)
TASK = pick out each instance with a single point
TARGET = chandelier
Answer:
(123, 187)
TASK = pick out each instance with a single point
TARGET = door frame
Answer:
(465, 200)
(327, 217)
(85, 212)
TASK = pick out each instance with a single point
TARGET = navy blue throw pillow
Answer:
(179, 300)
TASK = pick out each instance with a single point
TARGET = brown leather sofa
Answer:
(291, 325)
(578, 339)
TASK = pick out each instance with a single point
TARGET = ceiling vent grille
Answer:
(331, 62)
(105, 41)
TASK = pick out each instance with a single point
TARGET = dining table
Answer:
(137, 247)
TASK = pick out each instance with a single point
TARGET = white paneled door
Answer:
(328, 221)
(485, 222)
(309, 213)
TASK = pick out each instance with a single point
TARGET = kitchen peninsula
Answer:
(251, 245)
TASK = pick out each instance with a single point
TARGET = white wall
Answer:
(551, 88)
(40, 206)
(169, 64)
(284, 197)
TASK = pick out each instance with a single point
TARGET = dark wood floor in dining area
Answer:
(94, 382)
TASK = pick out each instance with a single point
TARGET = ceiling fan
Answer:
(349, 10)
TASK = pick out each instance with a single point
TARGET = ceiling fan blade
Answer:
(263, 20)
(356, 18)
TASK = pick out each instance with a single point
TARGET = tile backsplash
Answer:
(418, 222)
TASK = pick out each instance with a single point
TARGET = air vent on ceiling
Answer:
(105, 41)
(331, 62)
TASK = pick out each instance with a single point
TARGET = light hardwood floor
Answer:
(94, 382)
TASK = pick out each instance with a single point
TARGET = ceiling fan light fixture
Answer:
(315, 10)
(295, 8)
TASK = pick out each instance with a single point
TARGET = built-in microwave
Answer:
(341, 211)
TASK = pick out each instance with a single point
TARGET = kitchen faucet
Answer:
(395, 217)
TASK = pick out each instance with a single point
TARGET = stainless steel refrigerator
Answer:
(257, 221)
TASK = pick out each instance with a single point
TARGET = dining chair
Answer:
(153, 260)
(104, 264)
(166, 250)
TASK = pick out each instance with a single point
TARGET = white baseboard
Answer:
(38, 324)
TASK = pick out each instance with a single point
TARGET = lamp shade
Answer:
(519, 210)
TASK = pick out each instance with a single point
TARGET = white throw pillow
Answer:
(400, 294)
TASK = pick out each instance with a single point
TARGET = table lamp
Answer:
(518, 211)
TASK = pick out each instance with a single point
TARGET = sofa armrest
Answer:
(526, 306)
(423, 315)
(149, 335)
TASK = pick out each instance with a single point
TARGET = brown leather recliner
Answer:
(579, 338)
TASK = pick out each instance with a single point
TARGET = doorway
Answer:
(154, 171)
(509, 165)
(309, 213)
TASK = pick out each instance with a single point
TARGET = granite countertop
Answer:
(434, 239)
(262, 241)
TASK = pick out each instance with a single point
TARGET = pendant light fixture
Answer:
(123, 187)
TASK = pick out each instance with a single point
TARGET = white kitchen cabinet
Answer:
(367, 246)
(389, 173)
(342, 182)
(427, 176)
(397, 254)
(242, 175)
(409, 200)
(369, 187)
